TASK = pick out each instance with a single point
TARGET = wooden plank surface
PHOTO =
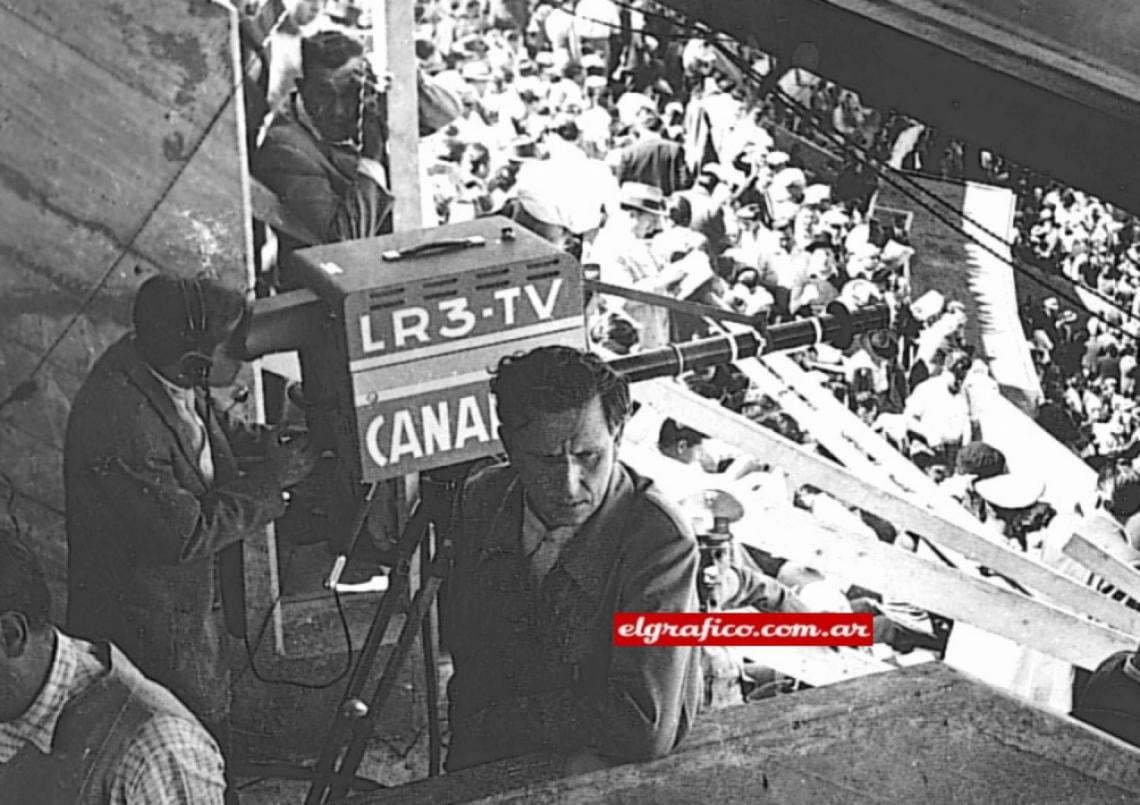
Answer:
(805, 467)
(897, 574)
(1107, 564)
(923, 734)
(122, 153)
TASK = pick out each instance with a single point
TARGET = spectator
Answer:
(78, 721)
(651, 159)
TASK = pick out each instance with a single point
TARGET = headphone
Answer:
(196, 363)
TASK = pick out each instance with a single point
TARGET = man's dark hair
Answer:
(556, 379)
(1119, 486)
(164, 307)
(650, 121)
(328, 50)
(22, 585)
(783, 424)
(672, 434)
(679, 209)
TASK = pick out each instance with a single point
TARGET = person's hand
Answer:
(290, 456)
(374, 130)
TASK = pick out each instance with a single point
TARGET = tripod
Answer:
(358, 713)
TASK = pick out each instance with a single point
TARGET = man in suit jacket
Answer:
(652, 159)
(548, 548)
(157, 506)
(323, 155)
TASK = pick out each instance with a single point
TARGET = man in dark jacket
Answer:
(323, 155)
(548, 548)
(652, 159)
(157, 506)
(1111, 699)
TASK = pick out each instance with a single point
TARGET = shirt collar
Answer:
(1130, 668)
(534, 531)
(306, 121)
(180, 394)
(37, 725)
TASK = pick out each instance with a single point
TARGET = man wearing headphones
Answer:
(157, 506)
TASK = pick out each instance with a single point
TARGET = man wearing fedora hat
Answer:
(623, 255)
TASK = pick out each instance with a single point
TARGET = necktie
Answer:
(546, 553)
(200, 442)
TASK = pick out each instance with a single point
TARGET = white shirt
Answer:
(628, 261)
(941, 417)
(183, 400)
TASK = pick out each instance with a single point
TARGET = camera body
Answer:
(415, 322)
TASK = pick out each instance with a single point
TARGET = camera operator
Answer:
(157, 506)
(323, 155)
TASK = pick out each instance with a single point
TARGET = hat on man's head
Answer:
(834, 217)
(476, 71)
(724, 173)
(523, 149)
(644, 197)
(549, 192)
(777, 159)
(749, 212)
(980, 460)
(1011, 491)
(593, 61)
(328, 50)
(817, 194)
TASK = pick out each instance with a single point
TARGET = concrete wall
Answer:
(121, 154)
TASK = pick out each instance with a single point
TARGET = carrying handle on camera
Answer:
(435, 246)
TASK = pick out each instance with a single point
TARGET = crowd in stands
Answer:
(619, 136)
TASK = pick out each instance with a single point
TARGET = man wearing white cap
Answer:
(553, 202)
(623, 256)
(938, 409)
(787, 192)
(595, 121)
(580, 173)
(806, 225)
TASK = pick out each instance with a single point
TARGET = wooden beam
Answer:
(925, 734)
(404, 114)
(817, 666)
(904, 513)
(931, 585)
(886, 465)
(1106, 563)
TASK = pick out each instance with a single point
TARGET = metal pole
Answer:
(836, 327)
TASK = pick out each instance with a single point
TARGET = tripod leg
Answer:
(363, 727)
(345, 718)
(431, 676)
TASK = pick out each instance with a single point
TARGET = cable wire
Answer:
(251, 651)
